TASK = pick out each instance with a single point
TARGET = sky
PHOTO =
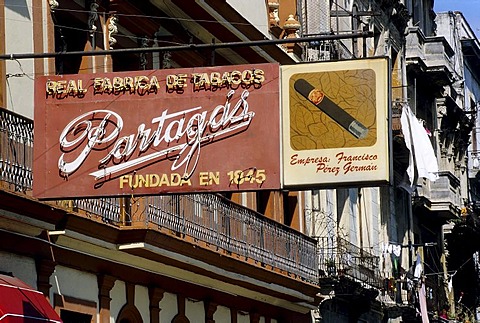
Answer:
(469, 8)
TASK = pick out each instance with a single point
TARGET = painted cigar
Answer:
(322, 102)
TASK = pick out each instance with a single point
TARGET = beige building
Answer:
(315, 253)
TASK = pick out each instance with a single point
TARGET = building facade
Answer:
(169, 258)
(454, 27)
(401, 227)
(338, 253)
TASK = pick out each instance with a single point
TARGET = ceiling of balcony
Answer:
(179, 22)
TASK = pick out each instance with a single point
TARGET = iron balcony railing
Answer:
(321, 50)
(16, 151)
(338, 257)
(218, 221)
(209, 218)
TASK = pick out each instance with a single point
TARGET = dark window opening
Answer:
(289, 204)
(394, 59)
(74, 317)
(227, 195)
(262, 201)
(125, 62)
(70, 35)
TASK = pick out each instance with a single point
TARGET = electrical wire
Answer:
(10, 95)
(142, 16)
(101, 32)
(212, 46)
(433, 257)
(177, 19)
(268, 42)
(137, 38)
(134, 38)
(8, 75)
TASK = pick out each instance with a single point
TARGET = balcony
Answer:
(208, 220)
(442, 196)
(323, 50)
(473, 163)
(16, 151)
(339, 259)
(431, 55)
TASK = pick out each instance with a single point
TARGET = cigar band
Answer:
(316, 96)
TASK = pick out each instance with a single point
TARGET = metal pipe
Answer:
(266, 42)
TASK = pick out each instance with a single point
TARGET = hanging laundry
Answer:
(418, 267)
(422, 156)
(397, 250)
(422, 298)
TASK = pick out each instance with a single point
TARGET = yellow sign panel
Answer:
(335, 123)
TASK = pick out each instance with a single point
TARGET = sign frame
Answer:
(158, 132)
(336, 124)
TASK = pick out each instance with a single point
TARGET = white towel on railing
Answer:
(418, 143)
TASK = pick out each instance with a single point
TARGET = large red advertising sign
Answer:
(160, 131)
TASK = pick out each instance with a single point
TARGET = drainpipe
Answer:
(360, 226)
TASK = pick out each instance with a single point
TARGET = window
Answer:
(70, 35)
(74, 317)
(262, 201)
(75, 310)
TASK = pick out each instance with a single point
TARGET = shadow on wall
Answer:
(18, 6)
